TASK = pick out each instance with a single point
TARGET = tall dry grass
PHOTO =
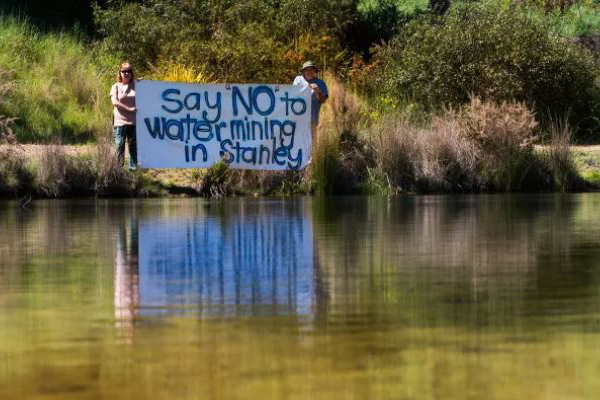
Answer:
(450, 162)
(338, 162)
(482, 146)
(172, 71)
(111, 177)
(52, 170)
(59, 174)
(398, 152)
(16, 178)
(558, 159)
(504, 133)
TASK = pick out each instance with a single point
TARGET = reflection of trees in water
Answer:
(57, 242)
(471, 259)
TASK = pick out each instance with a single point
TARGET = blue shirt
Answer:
(315, 104)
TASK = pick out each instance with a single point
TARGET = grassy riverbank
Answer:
(26, 172)
(480, 147)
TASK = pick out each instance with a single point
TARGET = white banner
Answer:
(250, 126)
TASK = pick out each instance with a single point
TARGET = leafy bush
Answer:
(494, 54)
(235, 41)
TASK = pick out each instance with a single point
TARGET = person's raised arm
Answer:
(321, 97)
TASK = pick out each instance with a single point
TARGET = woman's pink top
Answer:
(125, 93)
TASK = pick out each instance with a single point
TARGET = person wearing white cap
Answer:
(309, 78)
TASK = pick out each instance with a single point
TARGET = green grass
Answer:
(581, 19)
(404, 6)
(587, 162)
(58, 84)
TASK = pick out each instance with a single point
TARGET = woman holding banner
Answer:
(122, 95)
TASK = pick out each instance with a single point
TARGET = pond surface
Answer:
(466, 297)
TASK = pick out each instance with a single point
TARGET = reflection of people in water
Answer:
(127, 292)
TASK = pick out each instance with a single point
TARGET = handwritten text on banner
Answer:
(250, 126)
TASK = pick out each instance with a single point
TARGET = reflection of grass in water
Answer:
(468, 262)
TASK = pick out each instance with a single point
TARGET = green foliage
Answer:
(234, 41)
(570, 18)
(58, 85)
(494, 54)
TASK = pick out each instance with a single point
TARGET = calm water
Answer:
(469, 297)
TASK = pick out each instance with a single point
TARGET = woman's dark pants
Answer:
(122, 134)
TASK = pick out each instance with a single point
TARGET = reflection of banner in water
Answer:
(254, 264)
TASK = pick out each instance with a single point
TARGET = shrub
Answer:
(450, 160)
(59, 174)
(494, 54)
(215, 181)
(240, 41)
(177, 72)
(483, 146)
(504, 134)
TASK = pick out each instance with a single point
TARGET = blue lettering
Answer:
(252, 152)
(238, 129)
(291, 102)
(216, 106)
(280, 152)
(235, 94)
(167, 124)
(218, 129)
(203, 127)
(196, 98)
(298, 160)
(225, 154)
(154, 130)
(204, 152)
(176, 101)
(261, 151)
(267, 90)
